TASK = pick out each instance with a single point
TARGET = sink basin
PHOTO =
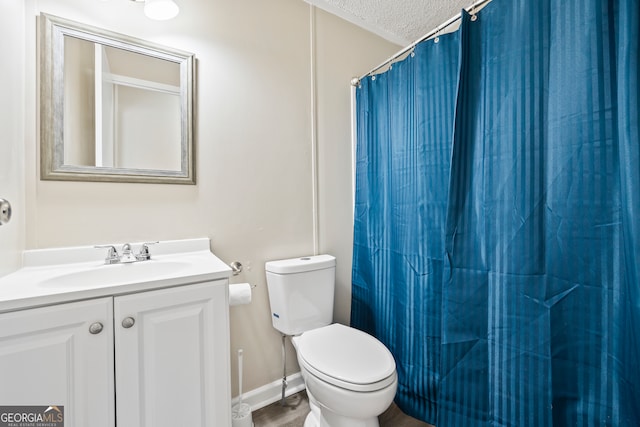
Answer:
(116, 274)
(58, 275)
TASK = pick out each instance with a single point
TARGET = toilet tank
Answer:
(301, 293)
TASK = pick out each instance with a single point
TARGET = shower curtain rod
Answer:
(356, 80)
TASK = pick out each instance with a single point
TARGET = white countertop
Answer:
(52, 276)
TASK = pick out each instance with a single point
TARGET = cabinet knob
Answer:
(128, 322)
(96, 328)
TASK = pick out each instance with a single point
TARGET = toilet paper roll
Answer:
(239, 293)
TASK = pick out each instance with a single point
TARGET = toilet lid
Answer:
(347, 357)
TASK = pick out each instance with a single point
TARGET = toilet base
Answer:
(323, 417)
(313, 418)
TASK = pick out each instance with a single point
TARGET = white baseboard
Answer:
(269, 393)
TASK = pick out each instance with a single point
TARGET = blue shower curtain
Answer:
(537, 291)
(402, 174)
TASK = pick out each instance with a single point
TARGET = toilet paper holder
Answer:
(236, 267)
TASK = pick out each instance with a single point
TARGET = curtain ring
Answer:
(474, 17)
(437, 37)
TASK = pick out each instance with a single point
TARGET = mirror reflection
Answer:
(126, 105)
(117, 109)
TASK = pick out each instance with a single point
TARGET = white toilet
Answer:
(350, 375)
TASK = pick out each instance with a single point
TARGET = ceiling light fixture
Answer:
(159, 10)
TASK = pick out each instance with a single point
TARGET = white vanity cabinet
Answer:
(158, 358)
(168, 362)
(49, 357)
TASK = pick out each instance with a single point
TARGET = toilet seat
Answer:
(347, 358)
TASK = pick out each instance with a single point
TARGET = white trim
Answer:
(270, 393)
(354, 142)
(314, 131)
(121, 80)
(98, 115)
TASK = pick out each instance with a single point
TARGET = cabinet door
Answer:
(172, 364)
(48, 356)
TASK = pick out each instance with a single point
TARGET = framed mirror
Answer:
(112, 107)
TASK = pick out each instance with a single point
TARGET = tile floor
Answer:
(294, 413)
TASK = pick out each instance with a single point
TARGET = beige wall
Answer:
(254, 151)
(79, 101)
(343, 52)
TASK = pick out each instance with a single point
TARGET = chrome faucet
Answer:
(113, 257)
(127, 254)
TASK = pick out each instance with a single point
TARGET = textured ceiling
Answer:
(399, 21)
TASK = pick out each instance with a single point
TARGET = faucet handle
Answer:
(144, 254)
(112, 254)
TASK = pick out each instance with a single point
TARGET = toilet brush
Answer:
(241, 412)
